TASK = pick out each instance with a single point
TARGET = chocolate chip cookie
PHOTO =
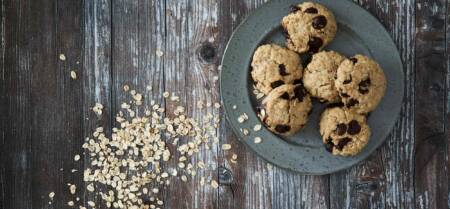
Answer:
(286, 109)
(361, 83)
(273, 66)
(309, 27)
(320, 74)
(344, 132)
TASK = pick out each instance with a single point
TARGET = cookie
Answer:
(286, 109)
(273, 66)
(344, 132)
(320, 74)
(309, 27)
(361, 83)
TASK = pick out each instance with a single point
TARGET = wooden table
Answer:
(45, 115)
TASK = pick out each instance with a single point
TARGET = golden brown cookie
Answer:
(273, 66)
(309, 27)
(344, 132)
(286, 109)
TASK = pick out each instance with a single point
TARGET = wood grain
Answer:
(430, 141)
(190, 28)
(96, 76)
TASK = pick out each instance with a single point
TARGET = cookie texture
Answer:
(361, 83)
(309, 27)
(273, 66)
(344, 132)
(286, 109)
(320, 74)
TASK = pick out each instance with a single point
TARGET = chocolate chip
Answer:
(294, 8)
(364, 86)
(329, 145)
(352, 102)
(299, 92)
(363, 91)
(319, 22)
(341, 128)
(285, 96)
(348, 80)
(353, 59)
(285, 33)
(353, 127)
(311, 10)
(344, 141)
(344, 95)
(282, 70)
(275, 84)
(297, 81)
(339, 104)
(314, 44)
(282, 128)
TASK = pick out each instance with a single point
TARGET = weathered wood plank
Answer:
(16, 106)
(377, 182)
(96, 76)
(139, 30)
(431, 168)
(189, 27)
(254, 185)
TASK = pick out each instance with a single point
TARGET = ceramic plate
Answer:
(358, 32)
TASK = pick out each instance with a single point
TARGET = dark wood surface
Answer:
(45, 115)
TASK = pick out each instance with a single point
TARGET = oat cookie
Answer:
(361, 83)
(286, 109)
(309, 27)
(320, 74)
(273, 66)
(344, 132)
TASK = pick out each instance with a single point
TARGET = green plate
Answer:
(358, 32)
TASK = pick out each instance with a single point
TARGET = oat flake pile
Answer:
(126, 167)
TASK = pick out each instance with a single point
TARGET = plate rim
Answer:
(380, 141)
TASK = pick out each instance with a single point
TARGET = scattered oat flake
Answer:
(257, 127)
(257, 140)
(166, 94)
(51, 195)
(214, 184)
(183, 178)
(245, 131)
(70, 203)
(90, 203)
(215, 78)
(98, 109)
(126, 88)
(62, 57)
(202, 181)
(234, 158)
(242, 118)
(76, 157)
(269, 166)
(226, 146)
(217, 105)
(82, 207)
(73, 75)
(149, 88)
(73, 189)
(159, 53)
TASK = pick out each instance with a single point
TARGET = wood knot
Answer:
(207, 52)
(225, 176)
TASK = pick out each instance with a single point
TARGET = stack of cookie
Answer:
(352, 86)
